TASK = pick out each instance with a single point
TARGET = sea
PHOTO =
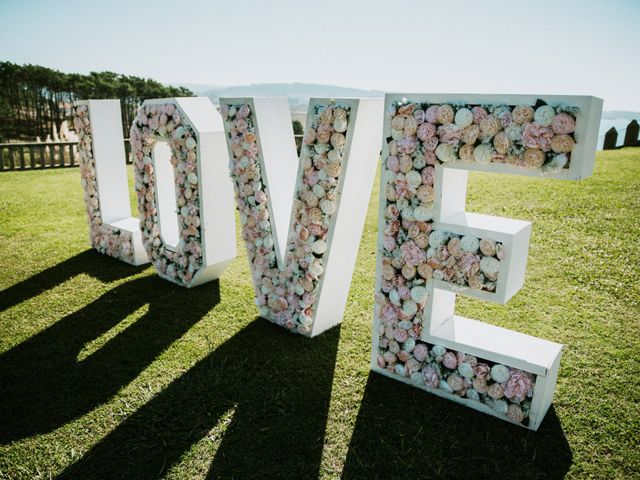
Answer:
(618, 120)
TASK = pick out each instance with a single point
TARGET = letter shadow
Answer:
(44, 385)
(277, 387)
(404, 432)
(102, 267)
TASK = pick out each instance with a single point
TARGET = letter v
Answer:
(302, 221)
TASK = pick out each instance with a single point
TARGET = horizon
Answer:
(580, 48)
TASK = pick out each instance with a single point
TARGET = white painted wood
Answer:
(282, 169)
(111, 172)
(278, 162)
(360, 165)
(166, 194)
(215, 189)
(496, 344)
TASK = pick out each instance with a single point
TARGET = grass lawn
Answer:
(106, 371)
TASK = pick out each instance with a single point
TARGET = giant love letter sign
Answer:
(430, 249)
(112, 229)
(302, 222)
(181, 167)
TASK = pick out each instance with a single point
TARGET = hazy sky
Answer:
(549, 47)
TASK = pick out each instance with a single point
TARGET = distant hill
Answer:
(298, 93)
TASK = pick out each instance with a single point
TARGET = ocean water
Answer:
(620, 124)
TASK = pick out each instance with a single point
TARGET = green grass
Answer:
(106, 371)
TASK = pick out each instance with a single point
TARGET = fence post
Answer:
(610, 139)
(631, 135)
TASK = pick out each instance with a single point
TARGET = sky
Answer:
(585, 47)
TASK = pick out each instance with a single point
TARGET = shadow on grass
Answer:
(269, 388)
(105, 269)
(403, 432)
(44, 385)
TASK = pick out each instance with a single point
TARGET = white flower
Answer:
(319, 247)
(473, 395)
(500, 373)
(437, 238)
(409, 345)
(483, 154)
(469, 243)
(316, 267)
(400, 370)
(327, 206)
(500, 406)
(191, 143)
(490, 265)
(413, 178)
(340, 125)
(423, 214)
(514, 132)
(446, 152)
(464, 117)
(438, 350)
(409, 307)
(544, 115)
(465, 370)
(445, 386)
(394, 297)
(419, 294)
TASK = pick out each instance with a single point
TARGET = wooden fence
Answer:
(38, 156)
(630, 137)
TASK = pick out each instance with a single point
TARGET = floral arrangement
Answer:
(520, 135)
(288, 297)
(506, 390)
(166, 122)
(412, 253)
(104, 238)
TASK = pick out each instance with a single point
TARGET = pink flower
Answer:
(430, 144)
(426, 130)
(563, 123)
(428, 175)
(400, 334)
(243, 111)
(261, 197)
(393, 164)
(450, 133)
(431, 114)
(407, 145)
(412, 254)
(449, 360)
(515, 413)
(481, 370)
(389, 242)
(430, 157)
(389, 313)
(469, 264)
(495, 391)
(480, 385)
(519, 385)
(455, 382)
(404, 189)
(420, 352)
(536, 136)
(479, 114)
(419, 116)
(430, 376)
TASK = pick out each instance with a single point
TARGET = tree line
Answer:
(33, 98)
